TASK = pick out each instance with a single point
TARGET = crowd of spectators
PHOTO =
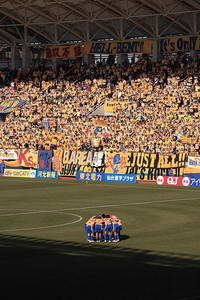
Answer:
(158, 111)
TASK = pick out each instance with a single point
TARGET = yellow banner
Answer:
(26, 158)
(113, 106)
(189, 170)
(7, 106)
(176, 44)
(147, 166)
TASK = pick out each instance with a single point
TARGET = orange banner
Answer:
(119, 47)
(108, 47)
(181, 43)
(64, 52)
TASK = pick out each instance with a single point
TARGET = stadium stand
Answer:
(157, 107)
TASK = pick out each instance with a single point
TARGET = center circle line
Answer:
(79, 218)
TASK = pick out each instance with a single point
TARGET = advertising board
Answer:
(106, 177)
(194, 162)
(20, 173)
(172, 180)
(45, 174)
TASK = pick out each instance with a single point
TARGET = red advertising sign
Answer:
(171, 180)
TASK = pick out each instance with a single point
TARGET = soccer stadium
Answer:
(100, 149)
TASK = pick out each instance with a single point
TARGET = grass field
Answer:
(44, 253)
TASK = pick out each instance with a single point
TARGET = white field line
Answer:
(43, 227)
(94, 207)
(81, 208)
(110, 185)
(130, 204)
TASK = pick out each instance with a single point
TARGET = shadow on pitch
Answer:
(34, 268)
(124, 237)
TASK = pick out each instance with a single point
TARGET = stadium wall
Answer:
(64, 164)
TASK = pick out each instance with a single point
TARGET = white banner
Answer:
(97, 159)
(20, 173)
(8, 154)
(194, 162)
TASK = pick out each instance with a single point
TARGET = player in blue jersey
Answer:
(116, 230)
(120, 227)
(98, 229)
(109, 229)
(89, 230)
(103, 228)
(103, 231)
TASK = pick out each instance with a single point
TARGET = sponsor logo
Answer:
(193, 162)
(186, 181)
(160, 180)
(172, 180)
(20, 173)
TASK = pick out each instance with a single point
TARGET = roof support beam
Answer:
(112, 8)
(40, 33)
(106, 29)
(167, 12)
(3, 19)
(61, 20)
(194, 24)
(42, 14)
(17, 19)
(9, 36)
(129, 31)
(75, 10)
(159, 11)
(72, 31)
(139, 25)
(192, 3)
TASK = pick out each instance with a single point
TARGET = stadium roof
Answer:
(67, 21)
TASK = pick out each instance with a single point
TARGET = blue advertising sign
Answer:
(127, 178)
(194, 179)
(195, 182)
(89, 176)
(45, 174)
(106, 177)
(2, 167)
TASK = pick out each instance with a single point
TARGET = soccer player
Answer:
(120, 227)
(89, 230)
(103, 230)
(109, 229)
(116, 230)
(98, 229)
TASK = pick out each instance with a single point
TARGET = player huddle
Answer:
(103, 228)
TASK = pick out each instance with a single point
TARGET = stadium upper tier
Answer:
(65, 21)
(152, 107)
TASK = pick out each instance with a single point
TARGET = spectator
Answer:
(158, 107)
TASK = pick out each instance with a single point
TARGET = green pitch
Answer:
(44, 253)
